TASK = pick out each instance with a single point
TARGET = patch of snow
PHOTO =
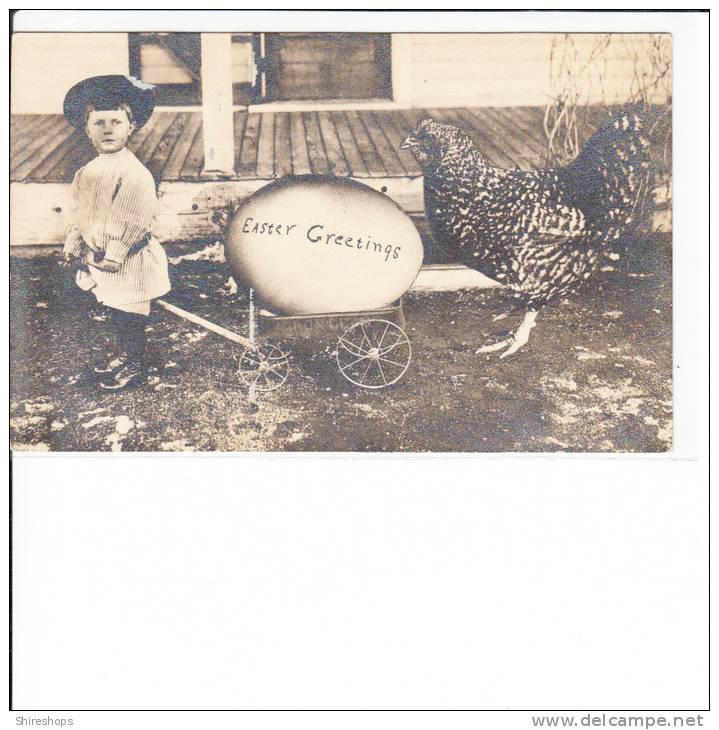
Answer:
(214, 252)
(97, 421)
(31, 447)
(638, 359)
(560, 383)
(664, 433)
(590, 356)
(367, 409)
(41, 305)
(124, 424)
(230, 287)
(38, 407)
(613, 314)
(20, 422)
(91, 413)
(180, 445)
(631, 406)
(564, 420)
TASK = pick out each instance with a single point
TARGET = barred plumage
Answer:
(540, 233)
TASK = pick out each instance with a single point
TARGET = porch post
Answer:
(217, 127)
(402, 69)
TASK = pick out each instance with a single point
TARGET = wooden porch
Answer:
(45, 153)
(350, 143)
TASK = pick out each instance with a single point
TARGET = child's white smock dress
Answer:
(113, 209)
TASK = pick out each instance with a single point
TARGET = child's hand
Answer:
(66, 261)
(103, 264)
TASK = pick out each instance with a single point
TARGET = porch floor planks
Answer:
(357, 143)
(23, 150)
(139, 137)
(81, 154)
(176, 159)
(157, 163)
(266, 147)
(492, 143)
(525, 155)
(372, 160)
(410, 118)
(531, 128)
(335, 157)
(298, 146)
(283, 146)
(195, 159)
(27, 144)
(44, 147)
(389, 157)
(34, 126)
(318, 157)
(248, 154)
(239, 120)
(65, 159)
(351, 152)
(153, 136)
(477, 131)
(395, 137)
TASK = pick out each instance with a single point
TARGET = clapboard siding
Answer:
(509, 69)
(45, 65)
(446, 70)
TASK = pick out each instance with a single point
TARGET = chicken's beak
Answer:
(409, 141)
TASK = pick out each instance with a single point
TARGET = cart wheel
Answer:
(373, 353)
(264, 368)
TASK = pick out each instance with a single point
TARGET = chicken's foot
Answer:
(516, 341)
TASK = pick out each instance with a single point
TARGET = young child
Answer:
(112, 212)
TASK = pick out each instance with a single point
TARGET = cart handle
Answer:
(211, 326)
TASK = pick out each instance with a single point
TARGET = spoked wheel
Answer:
(263, 369)
(373, 353)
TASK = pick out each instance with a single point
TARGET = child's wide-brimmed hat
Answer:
(108, 92)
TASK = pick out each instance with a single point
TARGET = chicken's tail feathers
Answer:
(613, 176)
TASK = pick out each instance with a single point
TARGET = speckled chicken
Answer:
(540, 233)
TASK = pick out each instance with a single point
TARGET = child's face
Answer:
(109, 130)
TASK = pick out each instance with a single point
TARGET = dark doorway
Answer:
(171, 61)
(300, 66)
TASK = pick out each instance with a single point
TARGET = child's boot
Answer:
(131, 335)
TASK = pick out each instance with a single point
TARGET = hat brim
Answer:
(108, 92)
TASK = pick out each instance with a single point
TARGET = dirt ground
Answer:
(595, 376)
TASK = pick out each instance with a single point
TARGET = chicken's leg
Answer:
(517, 340)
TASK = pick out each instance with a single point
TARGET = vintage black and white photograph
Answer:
(341, 242)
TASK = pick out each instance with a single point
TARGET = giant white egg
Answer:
(312, 244)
